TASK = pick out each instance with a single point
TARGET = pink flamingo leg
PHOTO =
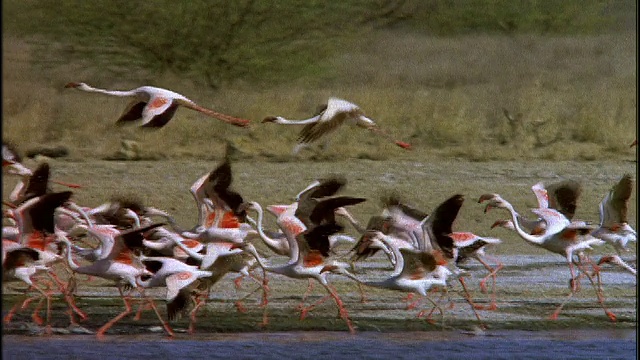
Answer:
(305, 310)
(305, 295)
(192, 315)
(492, 274)
(165, 324)
(470, 301)
(343, 310)
(109, 324)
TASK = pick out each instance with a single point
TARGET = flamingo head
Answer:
(493, 201)
(634, 143)
(270, 119)
(334, 268)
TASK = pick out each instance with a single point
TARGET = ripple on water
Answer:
(567, 344)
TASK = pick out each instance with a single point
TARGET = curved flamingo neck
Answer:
(275, 245)
(72, 264)
(515, 218)
(397, 268)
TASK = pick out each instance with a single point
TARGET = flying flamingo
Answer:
(334, 113)
(153, 107)
(560, 237)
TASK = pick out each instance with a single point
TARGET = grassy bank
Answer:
(576, 96)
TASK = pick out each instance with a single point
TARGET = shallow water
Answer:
(565, 344)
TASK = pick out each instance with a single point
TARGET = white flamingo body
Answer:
(154, 107)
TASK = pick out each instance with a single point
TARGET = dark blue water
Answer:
(610, 344)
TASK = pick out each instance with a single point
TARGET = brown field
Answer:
(577, 97)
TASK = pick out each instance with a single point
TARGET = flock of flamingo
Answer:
(137, 247)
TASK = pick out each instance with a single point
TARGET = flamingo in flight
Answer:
(153, 107)
(333, 114)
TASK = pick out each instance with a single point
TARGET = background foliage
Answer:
(437, 73)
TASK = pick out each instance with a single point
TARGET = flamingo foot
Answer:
(492, 307)
(238, 282)
(611, 316)
(483, 286)
(553, 316)
(412, 305)
(303, 314)
(37, 319)
(240, 307)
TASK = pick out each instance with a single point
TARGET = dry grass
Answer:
(443, 95)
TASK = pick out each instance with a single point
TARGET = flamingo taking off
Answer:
(614, 226)
(333, 114)
(560, 236)
(153, 107)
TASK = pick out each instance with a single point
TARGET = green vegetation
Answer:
(435, 73)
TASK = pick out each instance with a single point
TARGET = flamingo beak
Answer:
(328, 268)
(237, 246)
(634, 143)
(404, 145)
(497, 223)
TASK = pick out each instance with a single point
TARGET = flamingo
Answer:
(12, 165)
(153, 107)
(12, 161)
(614, 227)
(560, 237)
(472, 246)
(35, 224)
(414, 271)
(334, 113)
(116, 263)
(561, 196)
(21, 264)
(173, 274)
(308, 228)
